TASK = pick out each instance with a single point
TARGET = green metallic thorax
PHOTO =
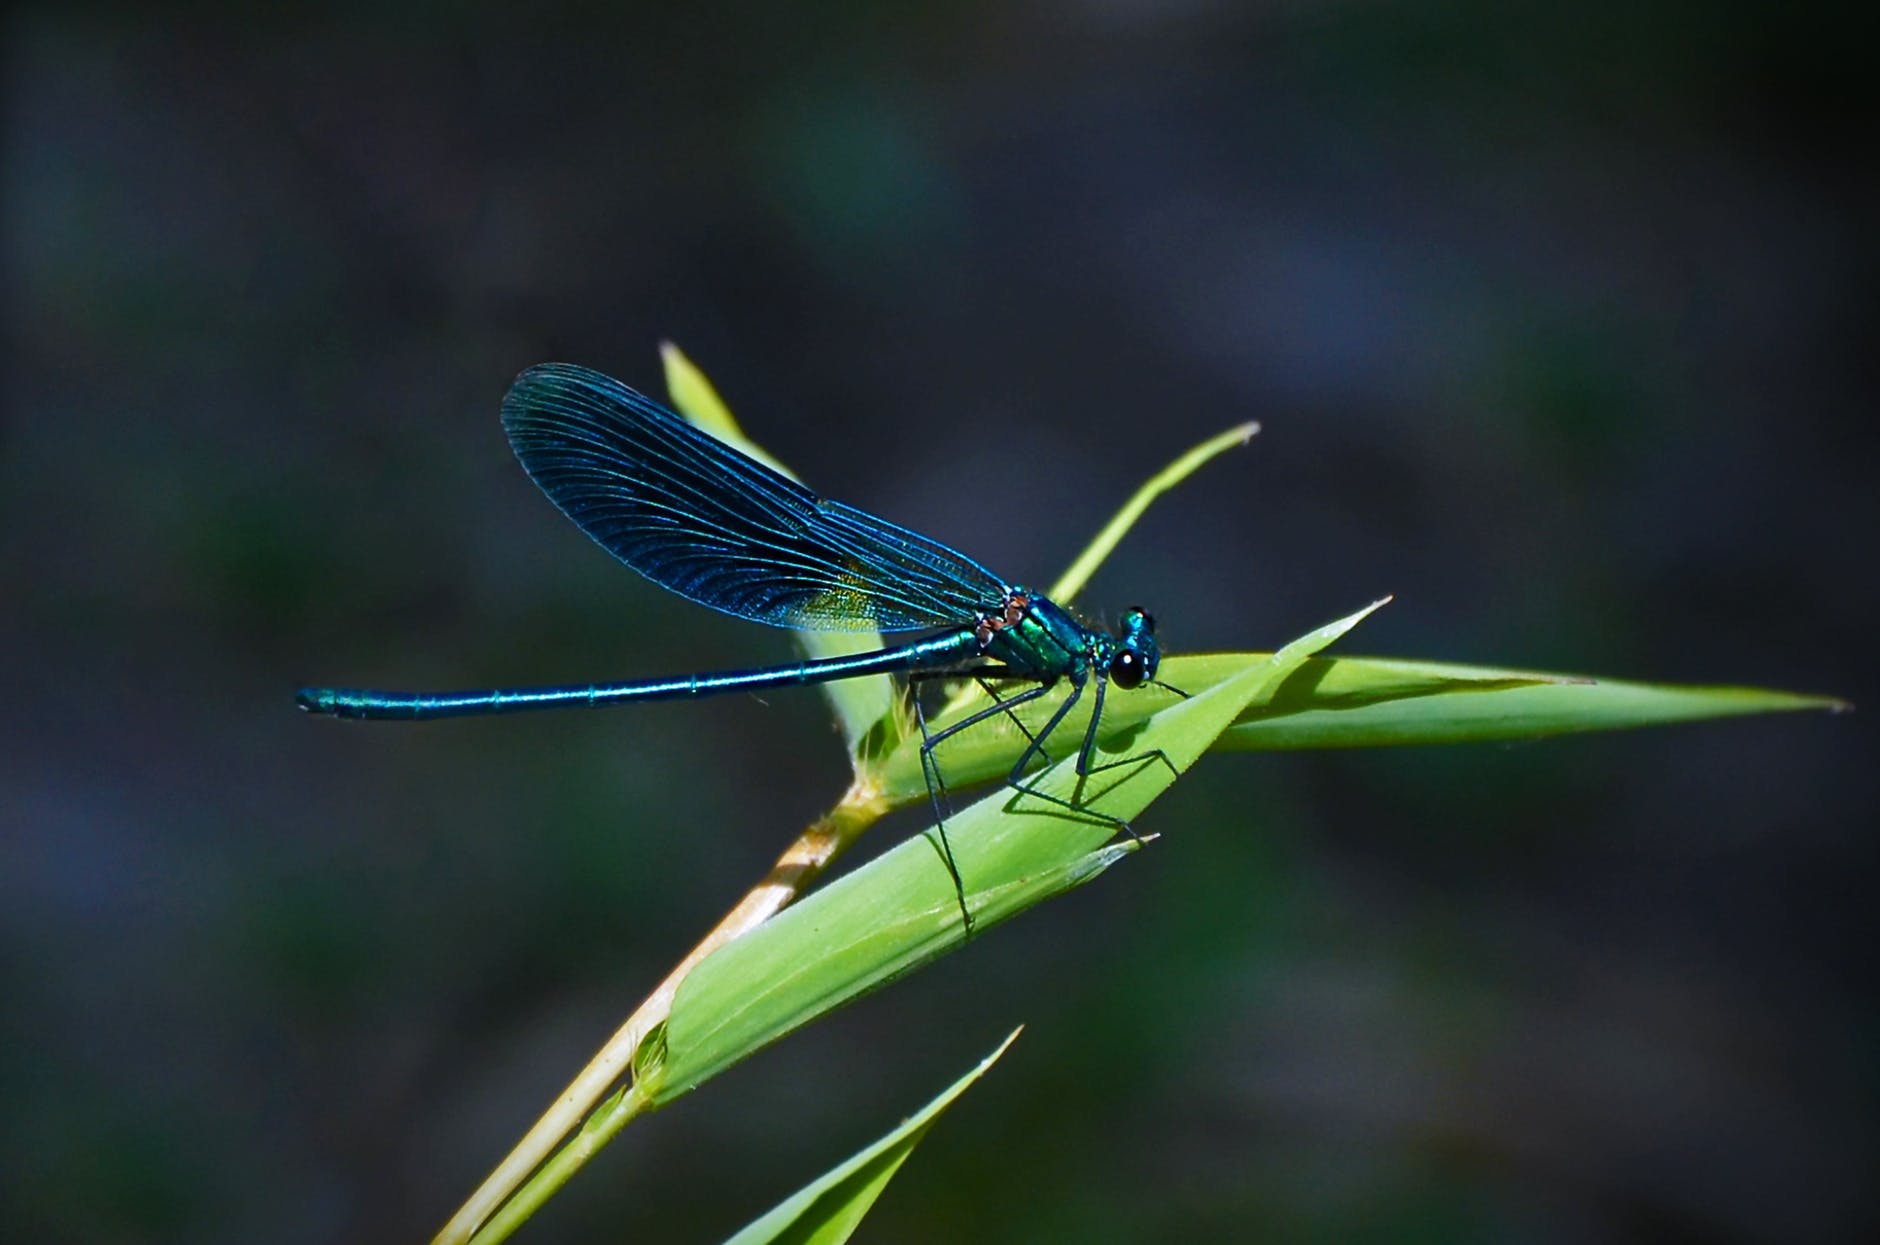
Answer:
(1048, 643)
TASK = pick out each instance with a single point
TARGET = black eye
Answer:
(1126, 669)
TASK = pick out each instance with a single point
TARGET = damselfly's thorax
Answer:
(1039, 637)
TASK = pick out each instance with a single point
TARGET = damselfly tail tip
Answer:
(314, 700)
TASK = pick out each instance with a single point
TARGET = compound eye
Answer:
(1126, 669)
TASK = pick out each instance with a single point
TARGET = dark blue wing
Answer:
(694, 515)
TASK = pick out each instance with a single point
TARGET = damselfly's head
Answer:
(1137, 654)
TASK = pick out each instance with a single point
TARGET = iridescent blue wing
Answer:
(694, 515)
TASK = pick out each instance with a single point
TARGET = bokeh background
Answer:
(1557, 318)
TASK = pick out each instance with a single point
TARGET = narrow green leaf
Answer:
(859, 703)
(1355, 702)
(694, 397)
(1073, 580)
(1367, 702)
(827, 1210)
(968, 694)
(899, 911)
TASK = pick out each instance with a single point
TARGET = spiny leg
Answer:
(985, 676)
(1089, 750)
(930, 742)
(1090, 732)
(985, 685)
(937, 796)
(1016, 779)
(1035, 748)
(1085, 769)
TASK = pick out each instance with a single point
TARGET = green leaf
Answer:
(1368, 702)
(1350, 702)
(695, 397)
(827, 1210)
(899, 911)
(859, 703)
(1072, 581)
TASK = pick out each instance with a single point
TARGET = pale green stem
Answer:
(584, 1145)
(794, 871)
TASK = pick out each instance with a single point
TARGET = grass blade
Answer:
(827, 1210)
(1367, 702)
(1360, 702)
(1072, 581)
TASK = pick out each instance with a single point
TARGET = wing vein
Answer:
(695, 516)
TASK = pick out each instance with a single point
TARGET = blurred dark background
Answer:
(1558, 321)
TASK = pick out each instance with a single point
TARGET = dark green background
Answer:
(1556, 316)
